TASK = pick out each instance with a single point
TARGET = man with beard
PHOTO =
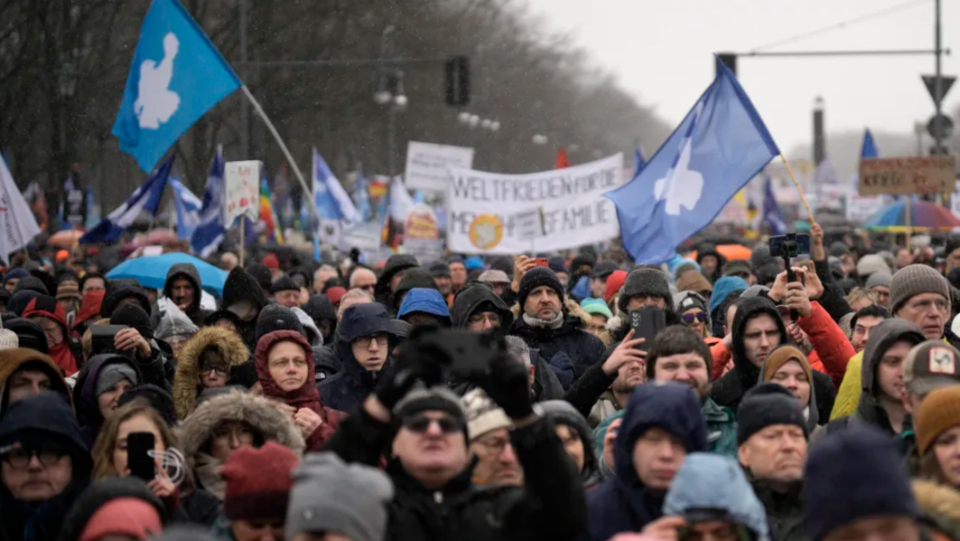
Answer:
(546, 326)
(183, 287)
(772, 439)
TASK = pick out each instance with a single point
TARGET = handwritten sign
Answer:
(242, 180)
(909, 175)
(427, 165)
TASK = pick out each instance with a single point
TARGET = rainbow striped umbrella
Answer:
(923, 215)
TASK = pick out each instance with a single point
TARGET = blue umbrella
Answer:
(151, 271)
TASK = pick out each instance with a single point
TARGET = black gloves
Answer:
(508, 384)
(411, 365)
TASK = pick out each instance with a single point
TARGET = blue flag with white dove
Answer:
(176, 76)
(187, 206)
(147, 197)
(209, 231)
(720, 145)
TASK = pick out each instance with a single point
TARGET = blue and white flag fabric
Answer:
(176, 76)
(147, 197)
(639, 159)
(361, 195)
(720, 145)
(400, 200)
(329, 197)
(209, 232)
(18, 225)
(771, 214)
(93, 209)
(187, 206)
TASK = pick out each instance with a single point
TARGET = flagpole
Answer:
(283, 146)
(243, 238)
(799, 189)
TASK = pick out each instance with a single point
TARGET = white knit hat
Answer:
(483, 414)
(8, 339)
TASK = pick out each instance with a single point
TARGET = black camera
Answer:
(790, 245)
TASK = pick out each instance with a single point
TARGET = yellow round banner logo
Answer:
(486, 231)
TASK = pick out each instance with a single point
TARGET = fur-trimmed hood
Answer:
(230, 349)
(570, 308)
(939, 505)
(260, 413)
(12, 360)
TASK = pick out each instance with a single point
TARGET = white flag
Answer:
(400, 200)
(17, 223)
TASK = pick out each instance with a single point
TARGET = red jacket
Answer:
(831, 349)
(48, 307)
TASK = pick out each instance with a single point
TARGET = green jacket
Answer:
(784, 511)
(721, 429)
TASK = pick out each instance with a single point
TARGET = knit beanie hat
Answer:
(914, 280)
(854, 474)
(614, 283)
(879, 279)
(440, 269)
(30, 335)
(113, 374)
(8, 340)
(284, 283)
(271, 261)
(483, 414)
(766, 405)
(330, 496)
(538, 277)
(693, 281)
(596, 307)
(839, 249)
(647, 282)
(737, 266)
(258, 482)
(68, 290)
(603, 270)
(438, 398)
(870, 264)
(556, 264)
(781, 356)
(939, 412)
(275, 317)
(158, 398)
(133, 316)
(31, 283)
(123, 517)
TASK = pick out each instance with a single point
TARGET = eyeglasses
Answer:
(699, 316)
(20, 458)
(925, 305)
(364, 341)
(209, 370)
(421, 423)
(483, 317)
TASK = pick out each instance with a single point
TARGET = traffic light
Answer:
(729, 60)
(457, 72)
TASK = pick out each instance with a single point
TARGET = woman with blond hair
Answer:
(110, 460)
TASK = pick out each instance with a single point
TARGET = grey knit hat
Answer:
(114, 373)
(870, 264)
(330, 496)
(879, 279)
(914, 280)
(435, 398)
(648, 282)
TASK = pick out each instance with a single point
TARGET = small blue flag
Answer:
(639, 159)
(869, 148)
(719, 146)
(176, 76)
(209, 232)
(330, 198)
(361, 195)
(771, 209)
(146, 197)
(187, 206)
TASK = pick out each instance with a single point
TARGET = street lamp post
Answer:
(390, 93)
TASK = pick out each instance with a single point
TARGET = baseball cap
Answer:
(736, 267)
(931, 365)
(494, 276)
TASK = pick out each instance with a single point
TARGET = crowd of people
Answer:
(487, 398)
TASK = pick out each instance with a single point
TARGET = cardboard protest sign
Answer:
(907, 175)
(242, 186)
(484, 208)
(427, 165)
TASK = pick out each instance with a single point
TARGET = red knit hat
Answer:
(127, 516)
(271, 262)
(258, 482)
(614, 283)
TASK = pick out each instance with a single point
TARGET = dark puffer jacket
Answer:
(730, 388)
(549, 507)
(187, 270)
(101, 493)
(345, 390)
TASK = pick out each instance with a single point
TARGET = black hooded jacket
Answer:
(345, 390)
(730, 388)
(475, 298)
(413, 278)
(239, 287)
(395, 264)
(117, 290)
(187, 270)
(710, 249)
(101, 493)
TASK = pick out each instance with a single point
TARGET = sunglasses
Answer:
(20, 458)
(419, 424)
(689, 318)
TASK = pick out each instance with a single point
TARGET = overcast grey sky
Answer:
(661, 50)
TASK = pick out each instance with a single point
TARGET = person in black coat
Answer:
(40, 438)
(184, 288)
(430, 463)
(546, 326)
(98, 508)
(662, 424)
(244, 297)
(393, 272)
(364, 349)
